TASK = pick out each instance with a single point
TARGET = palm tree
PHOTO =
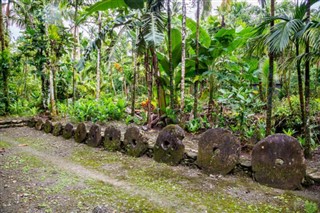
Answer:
(170, 56)
(206, 6)
(76, 52)
(98, 78)
(196, 83)
(291, 28)
(4, 61)
(307, 151)
(270, 79)
(183, 53)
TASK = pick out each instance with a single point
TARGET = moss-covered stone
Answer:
(68, 131)
(219, 151)
(57, 129)
(169, 147)
(31, 123)
(135, 143)
(80, 134)
(278, 161)
(112, 138)
(94, 136)
(39, 124)
(47, 127)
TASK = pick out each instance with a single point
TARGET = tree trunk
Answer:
(170, 56)
(196, 83)
(8, 15)
(149, 83)
(307, 150)
(211, 90)
(135, 70)
(25, 78)
(183, 54)
(300, 86)
(160, 91)
(270, 81)
(52, 90)
(44, 87)
(98, 86)
(76, 51)
(5, 71)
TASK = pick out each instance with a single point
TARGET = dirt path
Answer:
(43, 173)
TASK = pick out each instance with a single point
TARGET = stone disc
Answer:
(278, 161)
(134, 142)
(219, 151)
(169, 147)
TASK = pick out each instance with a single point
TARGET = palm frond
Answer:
(281, 34)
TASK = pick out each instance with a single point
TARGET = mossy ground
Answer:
(146, 186)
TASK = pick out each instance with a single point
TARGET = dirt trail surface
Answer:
(43, 173)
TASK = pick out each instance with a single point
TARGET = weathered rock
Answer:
(57, 129)
(80, 134)
(32, 123)
(315, 176)
(278, 161)
(135, 143)
(68, 131)
(94, 136)
(169, 147)
(47, 126)
(39, 124)
(102, 209)
(219, 151)
(112, 138)
(245, 162)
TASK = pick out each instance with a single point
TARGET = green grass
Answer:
(173, 184)
(4, 144)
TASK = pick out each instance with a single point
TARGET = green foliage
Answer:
(94, 110)
(22, 107)
(197, 124)
(289, 132)
(290, 118)
(310, 207)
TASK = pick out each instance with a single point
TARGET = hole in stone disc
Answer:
(279, 162)
(165, 145)
(215, 150)
(110, 138)
(133, 142)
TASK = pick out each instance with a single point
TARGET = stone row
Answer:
(277, 160)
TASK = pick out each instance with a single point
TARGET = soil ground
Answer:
(43, 173)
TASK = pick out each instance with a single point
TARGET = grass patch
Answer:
(5, 145)
(100, 193)
(197, 192)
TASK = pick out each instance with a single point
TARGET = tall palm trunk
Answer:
(98, 77)
(183, 53)
(307, 150)
(4, 69)
(135, 71)
(170, 56)
(8, 15)
(300, 86)
(196, 83)
(270, 80)
(149, 83)
(76, 52)
(52, 68)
